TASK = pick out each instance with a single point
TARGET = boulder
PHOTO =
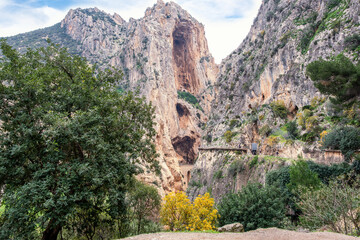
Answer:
(234, 227)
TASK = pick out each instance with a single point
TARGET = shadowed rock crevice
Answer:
(184, 57)
(184, 146)
(182, 110)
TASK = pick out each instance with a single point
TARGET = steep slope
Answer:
(164, 56)
(262, 85)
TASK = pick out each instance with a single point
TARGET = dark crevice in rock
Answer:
(184, 57)
(182, 110)
(184, 146)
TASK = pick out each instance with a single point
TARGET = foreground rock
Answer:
(235, 227)
(260, 234)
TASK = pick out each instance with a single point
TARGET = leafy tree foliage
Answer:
(188, 97)
(352, 42)
(291, 127)
(68, 141)
(302, 178)
(336, 205)
(180, 214)
(279, 109)
(344, 138)
(145, 203)
(254, 206)
(338, 77)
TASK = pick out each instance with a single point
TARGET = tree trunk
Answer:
(51, 232)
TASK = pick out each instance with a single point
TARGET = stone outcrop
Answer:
(162, 54)
(235, 227)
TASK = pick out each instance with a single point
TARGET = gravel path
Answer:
(259, 234)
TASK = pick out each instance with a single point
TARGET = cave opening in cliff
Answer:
(184, 146)
(184, 57)
(182, 110)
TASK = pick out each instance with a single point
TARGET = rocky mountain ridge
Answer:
(164, 56)
(262, 86)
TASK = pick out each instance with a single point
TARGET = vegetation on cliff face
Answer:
(69, 143)
(339, 78)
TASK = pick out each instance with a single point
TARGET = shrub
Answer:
(179, 214)
(336, 206)
(254, 206)
(265, 130)
(333, 3)
(307, 36)
(233, 123)
(208, 138)
(254, 161)
(338, 77)
(188, 97)
(345, 138)
(228, 136)
(272, 140)
(302, 178)
(311, 122)
(279, 109)
(204, 215)
(291, 127)
(235, 167)
(218, 174)
(352, 42)
(145, 202)
(327, 173)
(176, 211)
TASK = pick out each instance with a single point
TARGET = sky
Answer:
(226, 22)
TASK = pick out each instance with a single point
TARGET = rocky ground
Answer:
(259, 234)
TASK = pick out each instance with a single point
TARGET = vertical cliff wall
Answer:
(268, 71)
(161, 54)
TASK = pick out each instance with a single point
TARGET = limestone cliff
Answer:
(164, 56)
(267, 71)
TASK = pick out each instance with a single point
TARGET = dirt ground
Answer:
(259, 234)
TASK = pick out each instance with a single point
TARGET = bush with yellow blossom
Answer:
(204, 214)
(180, 214)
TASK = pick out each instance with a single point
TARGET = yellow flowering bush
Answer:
(176, 211)
(322, 135)
(179, 214)
(204, 214)
(272, 140)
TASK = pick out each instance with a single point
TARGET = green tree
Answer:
(302, 178)
(254, 206)
(69, 141)
(338, 77)
(343, 138)
(336, 206)
(145, 202)
(291, 127)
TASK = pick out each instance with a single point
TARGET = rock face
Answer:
(270, 64)
(235, 227)
(269, 68)
(163, 54)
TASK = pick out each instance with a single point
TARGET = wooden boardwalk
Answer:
(222, 149)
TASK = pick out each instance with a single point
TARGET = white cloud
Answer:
(19, 18)
(226, 21)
